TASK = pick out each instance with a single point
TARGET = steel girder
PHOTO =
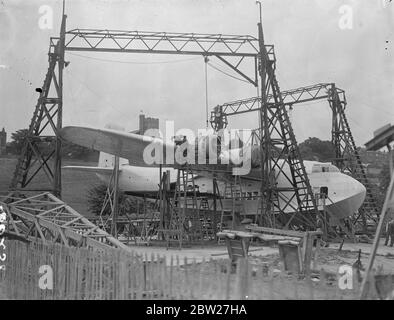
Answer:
(46, 217)
(48, 113)
(277, 135)
(223, 47)
(347, 157)
(290, 97)
(232, 50)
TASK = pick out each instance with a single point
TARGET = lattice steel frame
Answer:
(46, 217)
(223, 47)
(278, 142)
(241, 48)
(48, 111)
(347, 157)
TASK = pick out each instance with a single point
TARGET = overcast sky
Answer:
(310, 48)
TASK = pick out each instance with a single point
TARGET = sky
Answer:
(314, 42)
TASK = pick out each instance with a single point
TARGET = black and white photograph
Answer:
(194, 156)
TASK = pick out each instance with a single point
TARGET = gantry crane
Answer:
(347, 157)
(235, 51)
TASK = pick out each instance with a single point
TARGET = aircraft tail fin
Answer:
(98, 170)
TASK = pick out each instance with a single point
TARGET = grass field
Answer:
(75, 184)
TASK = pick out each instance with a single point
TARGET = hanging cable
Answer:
(101, 97)
(206, 90)
(130, 62)
(290, 113)
(375, 108)
(227, 74)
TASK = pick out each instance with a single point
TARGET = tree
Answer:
(47, 146)
(18, 139)
(127, 205)
(75, 151)
(317, 150)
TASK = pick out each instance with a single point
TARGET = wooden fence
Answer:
(79, 273)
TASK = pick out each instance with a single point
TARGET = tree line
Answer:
(69, 149)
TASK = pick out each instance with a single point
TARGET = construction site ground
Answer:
(329, 259)
(77, 184)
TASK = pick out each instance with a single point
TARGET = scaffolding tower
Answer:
(48, 114)
(235, 51)
(347, 157)
(278, 142)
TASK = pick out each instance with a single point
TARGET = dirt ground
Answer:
(76, 185)
(329, 259)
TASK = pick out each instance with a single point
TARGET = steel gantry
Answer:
(242, 53)
(279, 150)
(48, 113)
(240, 47)
(236, 51)
(347, 157)
(300, 95)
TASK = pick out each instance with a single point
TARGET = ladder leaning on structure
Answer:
(233, 191)
(184, 199)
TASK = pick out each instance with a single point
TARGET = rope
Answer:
(206, 90)
(227, 74)
(130, 62)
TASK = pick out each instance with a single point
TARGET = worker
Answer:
(390, 232)
(244, 223)
(320, 227)
(319, 224)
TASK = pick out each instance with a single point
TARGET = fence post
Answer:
(323, 284)
(240, 275)
(171, 276)
(186, 289)
(228, 279)
(200, 291)
(271, 285)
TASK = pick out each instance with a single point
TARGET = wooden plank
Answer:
(308, 254)
(276, 231)
(100, 271)
(171, 277)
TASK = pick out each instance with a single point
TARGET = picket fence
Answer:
(79, 273)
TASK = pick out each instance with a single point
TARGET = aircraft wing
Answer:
(132, 147)
(126, 145)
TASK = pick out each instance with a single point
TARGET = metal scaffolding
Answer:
(347, 157)
(240, 53)
(277, 141)
(46, 217)
(236, 51)
(48, 113)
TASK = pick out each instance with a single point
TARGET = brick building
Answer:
(147, 123)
